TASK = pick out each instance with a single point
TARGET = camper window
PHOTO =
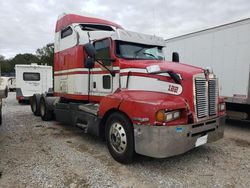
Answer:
(31, 76)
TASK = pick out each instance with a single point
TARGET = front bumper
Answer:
(166, 141)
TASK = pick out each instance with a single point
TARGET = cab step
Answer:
(91, 108)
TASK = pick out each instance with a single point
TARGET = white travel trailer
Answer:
(31, 79)
(3, 92)
(226, 49)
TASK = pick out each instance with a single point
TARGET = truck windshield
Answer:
(129, 50)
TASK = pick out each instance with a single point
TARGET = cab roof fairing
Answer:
(65, 20)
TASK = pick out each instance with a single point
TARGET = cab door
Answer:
(101, 82)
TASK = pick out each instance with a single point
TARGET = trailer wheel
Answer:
(35, 104)
(46, 114)
(120, 138)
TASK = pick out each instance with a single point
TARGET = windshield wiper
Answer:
(137, 51)
(152, 55)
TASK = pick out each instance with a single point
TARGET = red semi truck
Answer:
(115, 84)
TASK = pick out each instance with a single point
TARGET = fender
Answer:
(110, 102)
(142, 105)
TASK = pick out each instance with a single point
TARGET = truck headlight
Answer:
(222, 106)
(163, 116)
(172, 115)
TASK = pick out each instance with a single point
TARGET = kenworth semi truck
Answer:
(115, 84)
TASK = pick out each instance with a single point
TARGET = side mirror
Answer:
(90, 50)
(89, 63)
(175, 57)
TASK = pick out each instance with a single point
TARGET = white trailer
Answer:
(3, 92)
(226, 49)
(31, 79)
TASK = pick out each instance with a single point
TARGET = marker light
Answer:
(160, 116)
(222, 107)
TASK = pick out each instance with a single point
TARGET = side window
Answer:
(31, 76)
(106, 82)
(103, 51)
(66, 32)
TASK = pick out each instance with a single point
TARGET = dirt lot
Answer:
(34, 153)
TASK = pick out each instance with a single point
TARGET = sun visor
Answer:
(135, 37)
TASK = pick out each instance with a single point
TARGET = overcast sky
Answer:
(28, 25)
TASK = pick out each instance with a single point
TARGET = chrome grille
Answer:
(213, 96)
(206, 94)
(201, 97)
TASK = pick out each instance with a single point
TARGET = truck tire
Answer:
(35, 104)
(45, 113)
(120, 138)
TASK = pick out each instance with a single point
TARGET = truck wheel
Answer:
(35, 104)
(45, 113)
(120, 138)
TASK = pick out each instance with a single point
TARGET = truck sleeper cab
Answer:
(115, 84)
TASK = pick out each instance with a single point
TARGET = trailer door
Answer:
(31, 82)
(44, 80)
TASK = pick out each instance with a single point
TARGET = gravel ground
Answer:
(34, 153)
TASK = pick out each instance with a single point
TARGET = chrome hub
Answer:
(118, 138)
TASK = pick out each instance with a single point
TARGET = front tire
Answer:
(45, 113)
(120, 138)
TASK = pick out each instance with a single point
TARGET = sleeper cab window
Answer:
(31, 76)
(66, 32)
(103, 51)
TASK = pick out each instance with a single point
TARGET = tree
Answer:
(5, 65)
(26, 58)
(2, 58)
(8, 65)
(46, 55)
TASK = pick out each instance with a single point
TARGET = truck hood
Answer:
(180, 68)
(140, 79)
